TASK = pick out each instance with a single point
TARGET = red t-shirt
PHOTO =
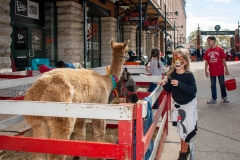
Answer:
(214, 57)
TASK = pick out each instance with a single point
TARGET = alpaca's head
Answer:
(119, 49)
(127, 86)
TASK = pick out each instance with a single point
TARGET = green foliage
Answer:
(192, 38)
(224, 40)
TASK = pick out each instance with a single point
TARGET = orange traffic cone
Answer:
(236, 58)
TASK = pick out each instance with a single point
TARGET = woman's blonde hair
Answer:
(186, 55)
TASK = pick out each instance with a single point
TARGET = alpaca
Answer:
(126, 87)
(77, 86)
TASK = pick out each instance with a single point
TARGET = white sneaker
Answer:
(225, 100)
(211, 101)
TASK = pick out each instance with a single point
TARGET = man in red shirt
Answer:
(215, 62)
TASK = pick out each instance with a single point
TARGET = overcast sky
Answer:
(208, 13)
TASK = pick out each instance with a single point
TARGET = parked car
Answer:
(192, 51)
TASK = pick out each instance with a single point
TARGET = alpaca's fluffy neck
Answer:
(116, 66)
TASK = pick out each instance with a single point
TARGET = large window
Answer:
(93, 43)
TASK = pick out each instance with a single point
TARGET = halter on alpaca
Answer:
(131, 95)
(128, 87)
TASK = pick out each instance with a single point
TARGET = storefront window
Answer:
(93, 43)
(37, 39)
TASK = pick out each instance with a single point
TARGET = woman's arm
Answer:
(151, 67)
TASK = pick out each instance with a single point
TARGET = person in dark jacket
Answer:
(233, 52)
(132, 56)
(202, 51)
(198, 54)
(61, 64)
(169, 56)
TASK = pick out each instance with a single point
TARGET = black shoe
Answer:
(184, 156)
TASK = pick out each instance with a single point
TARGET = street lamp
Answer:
(165, 26)
(175, 31)
(181, 38)
(165, 32)
(174, 35)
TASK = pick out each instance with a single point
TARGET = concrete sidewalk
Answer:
(218, 124)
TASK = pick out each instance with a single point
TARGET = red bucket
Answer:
(230, 84)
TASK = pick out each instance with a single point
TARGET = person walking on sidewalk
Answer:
(215, 62)
(180, 81)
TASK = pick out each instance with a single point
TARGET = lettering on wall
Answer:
(92, 46)
(20, 39)
(27, 8)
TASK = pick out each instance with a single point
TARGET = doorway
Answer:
(27, 43)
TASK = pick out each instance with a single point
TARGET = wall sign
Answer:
(27, 8)
(133, 15)
(217, 32)
(20, 38)
(150, 24)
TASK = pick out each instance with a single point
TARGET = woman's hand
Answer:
(147, 68)
(163, 82)
(207, 74)
(174, 82)
(226, 72)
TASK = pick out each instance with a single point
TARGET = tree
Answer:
(192, 38)
(224, 40)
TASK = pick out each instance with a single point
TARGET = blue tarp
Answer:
(148, 120)
(147, 123)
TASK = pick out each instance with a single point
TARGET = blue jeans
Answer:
(214, 88)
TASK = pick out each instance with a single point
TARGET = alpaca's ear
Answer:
(125, 44)
(126, 72)
(112, 42)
